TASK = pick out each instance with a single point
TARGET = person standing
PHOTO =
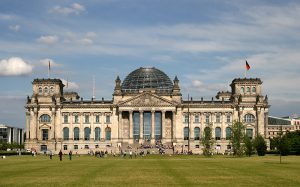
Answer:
(60, 155)
(70, 155)
(50, 154)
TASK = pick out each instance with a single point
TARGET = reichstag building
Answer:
(146, 109)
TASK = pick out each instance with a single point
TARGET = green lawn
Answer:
(154, 170)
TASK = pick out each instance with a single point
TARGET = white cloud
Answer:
(85, 41)
(75, 8)
(45, 62)
(48, 39)
(70, 85)
(14, 66)
(6, 17)
(163, 58)
(15, 28)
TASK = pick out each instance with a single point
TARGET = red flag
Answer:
(247, 66)
(49, 66)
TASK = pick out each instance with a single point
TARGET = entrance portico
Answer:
(146, 126)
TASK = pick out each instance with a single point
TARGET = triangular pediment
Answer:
(146, 100)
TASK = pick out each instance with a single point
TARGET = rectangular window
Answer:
(65, 147)
(86, 119)
(107, 119)
(66, 119)
(228, 118)
(249, 133)
(76, 119)
(136, 125)
(218, 118)
(186, 118)
(207, 119)
(197, 119)
(75, 147)
(86, 146)
(97, 119)
(45, 134)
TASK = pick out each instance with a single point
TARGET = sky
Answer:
(204, 42)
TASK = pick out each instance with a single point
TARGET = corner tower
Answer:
(250, 105)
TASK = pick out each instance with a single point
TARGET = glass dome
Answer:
(147, 78)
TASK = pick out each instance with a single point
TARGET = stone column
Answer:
(53, 123)
(36, 123)
(153, 125)
(141, 124)
(192, 114)
(71, 129)
(130, 126)
(81, 127)
(120, 130)
(174, 126)
(92, 136)
(223, 126)
(163, 116)
(28, 125)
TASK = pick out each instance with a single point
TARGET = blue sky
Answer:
(205, 43)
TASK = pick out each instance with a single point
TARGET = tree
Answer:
(248, 146)
(237, 138)
(207, 141)
(260, 145)
(294, 142)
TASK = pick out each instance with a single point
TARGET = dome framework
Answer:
(144, 78)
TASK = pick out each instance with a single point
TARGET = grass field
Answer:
(153, 170)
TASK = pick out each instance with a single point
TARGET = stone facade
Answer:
(145, 115)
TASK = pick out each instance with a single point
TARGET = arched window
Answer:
(76, 133)
(249, 118)
(253, 89)
(87, 133)
(186, 133)
(242, 89)
(97, 134)
(228, 133)
(197, 133)
(40, 90)
(46, 89)
(45, 118)
(107, 133)
(218, 133)
(248, 89)
(51, 89)
(66, 133)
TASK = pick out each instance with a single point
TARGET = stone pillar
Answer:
(28, 125)
(71, 129)
(163, 132)
(192, 118)
(81, 127)
(120, 130)
(223, 126)
(153, 125)
(36, 123)
(53, 124)
(174, 126)
(141, 124)
(92, 136)
(130, 126)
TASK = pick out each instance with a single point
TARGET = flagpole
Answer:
(245, 70)
(49, 70)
